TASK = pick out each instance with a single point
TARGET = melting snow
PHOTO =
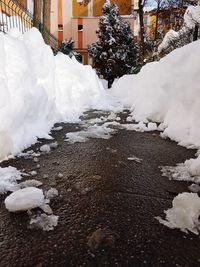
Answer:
(44, 222)
(95, 131)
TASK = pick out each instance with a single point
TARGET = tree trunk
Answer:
(196, 31)
(37, 13)
(141, 27)
(156, 27)
(46, 20)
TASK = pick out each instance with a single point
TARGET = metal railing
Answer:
(15, 15)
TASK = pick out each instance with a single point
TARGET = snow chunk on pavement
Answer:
(152, 126)
(30, 183)
(195, 188)
(51, 193)
(187, 171)
(54, 145)
(8, 179)
(45, 148)
(44, 222)
(24, 199)
(134, 158)
(59, 128)
(184, 214)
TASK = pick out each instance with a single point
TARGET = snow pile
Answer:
(184, 214)
(24, 199)
(78, 88)
(171, 98)
(38, 89)
(8, 179)
(27, 102)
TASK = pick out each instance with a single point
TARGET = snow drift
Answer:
(38, 89)
(167, 92)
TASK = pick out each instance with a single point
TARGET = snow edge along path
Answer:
(39, 89)
(167, 92)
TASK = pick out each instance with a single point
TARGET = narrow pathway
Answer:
(106, 206)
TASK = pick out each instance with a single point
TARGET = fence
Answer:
(14, 15)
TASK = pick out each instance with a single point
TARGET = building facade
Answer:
(73, 18)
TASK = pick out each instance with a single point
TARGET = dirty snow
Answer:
(184, 213)
(44, 222)
(51, 193)
(24, 199)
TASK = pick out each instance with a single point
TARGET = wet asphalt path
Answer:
(101, 189)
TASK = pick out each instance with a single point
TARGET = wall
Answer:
(54, 18)
(89, 30)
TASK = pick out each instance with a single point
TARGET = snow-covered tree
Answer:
(115, 53)
(185, 35)
(67, 48)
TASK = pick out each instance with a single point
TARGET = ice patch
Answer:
(184, 213)
(24, 199)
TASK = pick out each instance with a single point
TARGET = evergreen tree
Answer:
(115, 53)
(67, 48)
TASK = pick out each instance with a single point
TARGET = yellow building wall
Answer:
(79, 10)
(124, 6)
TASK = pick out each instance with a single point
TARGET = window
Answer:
(80, 27)
(60, 27)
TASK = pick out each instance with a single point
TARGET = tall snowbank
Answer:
(38, 89)
(167, 91)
